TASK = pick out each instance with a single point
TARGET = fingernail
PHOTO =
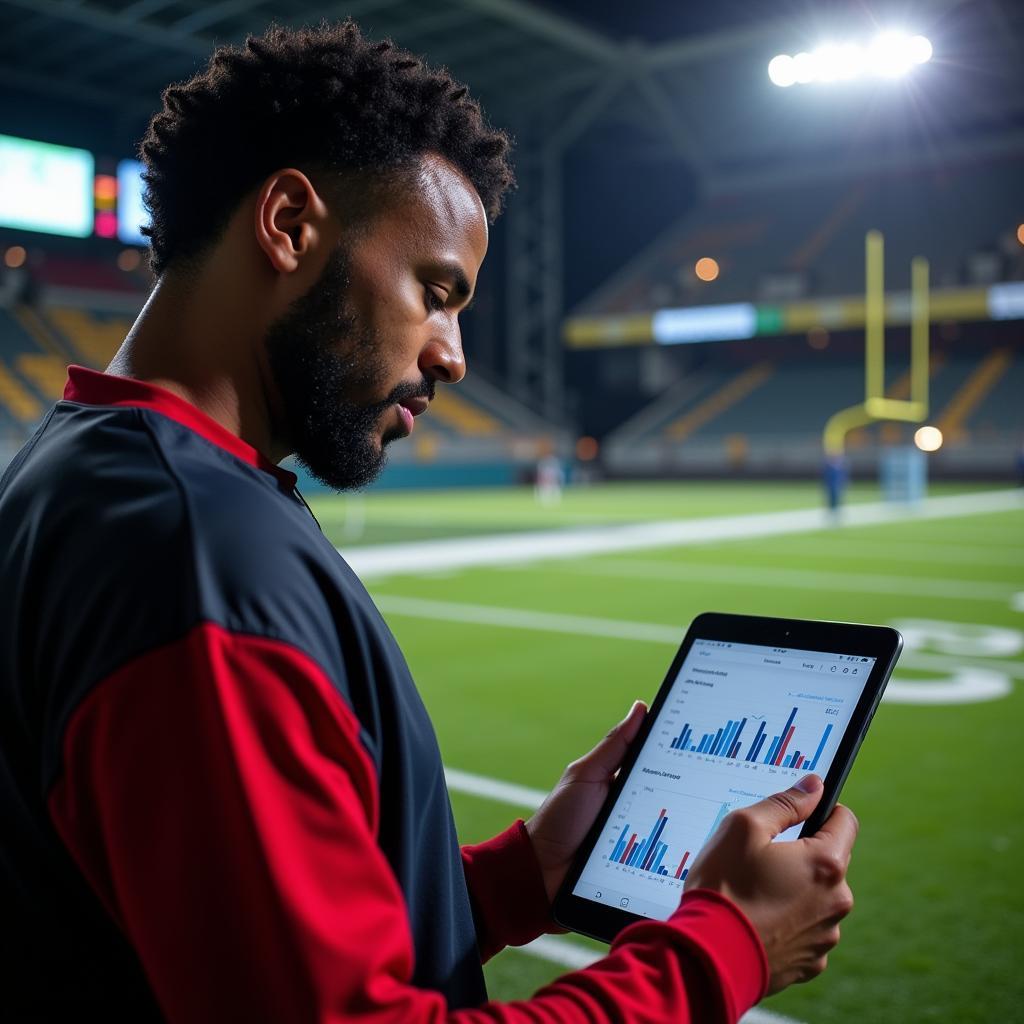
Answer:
(632, 710)
(809, 784)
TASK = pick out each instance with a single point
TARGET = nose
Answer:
(442, 358)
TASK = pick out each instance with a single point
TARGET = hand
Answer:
(795, 893)
(564, 819)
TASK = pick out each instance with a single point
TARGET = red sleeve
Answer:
(217, 798)
(510, 904)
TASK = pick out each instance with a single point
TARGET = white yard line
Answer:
(516, 548)
(618, 629)
(806, 579)
(493, 789)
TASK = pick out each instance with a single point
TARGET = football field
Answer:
(533, 631)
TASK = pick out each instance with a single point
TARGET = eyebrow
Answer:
(458, 275)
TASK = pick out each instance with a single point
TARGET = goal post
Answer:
(876, 407)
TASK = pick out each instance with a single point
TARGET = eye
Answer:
(435, 301)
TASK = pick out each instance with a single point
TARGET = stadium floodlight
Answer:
(890, 54)
(928, 439)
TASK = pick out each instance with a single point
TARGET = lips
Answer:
(415, 405)
(410, 408)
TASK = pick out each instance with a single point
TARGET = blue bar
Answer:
(687, 733)
(757, 739)
(663, 871)
(656, 866)
(760, 746)
(723, 747)
(633, 856)
(736, 738)
(722, 812)
(693, 746)
(682, 877)
(771, 751)
(637, 859)
(654, 844)
(723, 750)
(674, 742)
(621, 844)
(716, 741)
(789, 759)
(703, 744)
(727, 745)
(648, 843)
(821, 747)
(789, 722)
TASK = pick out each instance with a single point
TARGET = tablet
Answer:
(749, 706)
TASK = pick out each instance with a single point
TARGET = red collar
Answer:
(90, 387)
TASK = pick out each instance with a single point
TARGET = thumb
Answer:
(606, 757)
(782, 810)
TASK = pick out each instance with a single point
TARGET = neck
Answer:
(194, 338)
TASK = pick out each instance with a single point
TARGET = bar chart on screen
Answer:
(739, 722)
(725, 742)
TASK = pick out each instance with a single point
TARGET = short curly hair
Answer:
(322, 99)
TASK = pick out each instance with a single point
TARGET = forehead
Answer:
(440, 216)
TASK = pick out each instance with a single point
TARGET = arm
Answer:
(217, 799)
(506, 888)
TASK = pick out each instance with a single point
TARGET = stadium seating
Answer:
(96, 336)
(814, 233)
(473, 434)
(768, 415)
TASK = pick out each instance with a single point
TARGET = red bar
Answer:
(662, 814)
(682, 864)
(785, 743)
(628, 850)
(799, 761)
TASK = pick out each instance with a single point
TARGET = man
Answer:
(222, 797)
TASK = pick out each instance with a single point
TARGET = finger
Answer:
(839, 833)
(782, 810)
(608, 754)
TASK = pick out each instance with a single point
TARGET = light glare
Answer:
(920, 49)
(706, 268)
(928, 439)
(804, 68)
(780, 70)
(890, 54)
(850, 61)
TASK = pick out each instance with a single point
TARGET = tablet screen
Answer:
(740, 722)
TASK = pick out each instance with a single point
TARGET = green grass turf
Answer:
(938, 931)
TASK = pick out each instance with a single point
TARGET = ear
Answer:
(290, 219)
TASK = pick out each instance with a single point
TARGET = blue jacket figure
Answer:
(835, 477)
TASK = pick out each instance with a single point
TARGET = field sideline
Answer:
(518, 683)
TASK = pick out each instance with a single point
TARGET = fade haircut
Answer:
(325, 100)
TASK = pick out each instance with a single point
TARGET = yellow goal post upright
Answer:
(876, 406)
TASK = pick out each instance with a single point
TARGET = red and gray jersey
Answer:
(221, 797)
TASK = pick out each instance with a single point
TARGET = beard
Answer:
(321, 354)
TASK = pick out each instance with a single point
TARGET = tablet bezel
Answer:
(882, 643)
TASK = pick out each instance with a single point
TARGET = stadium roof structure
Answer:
(690, 78)
(646, 81)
